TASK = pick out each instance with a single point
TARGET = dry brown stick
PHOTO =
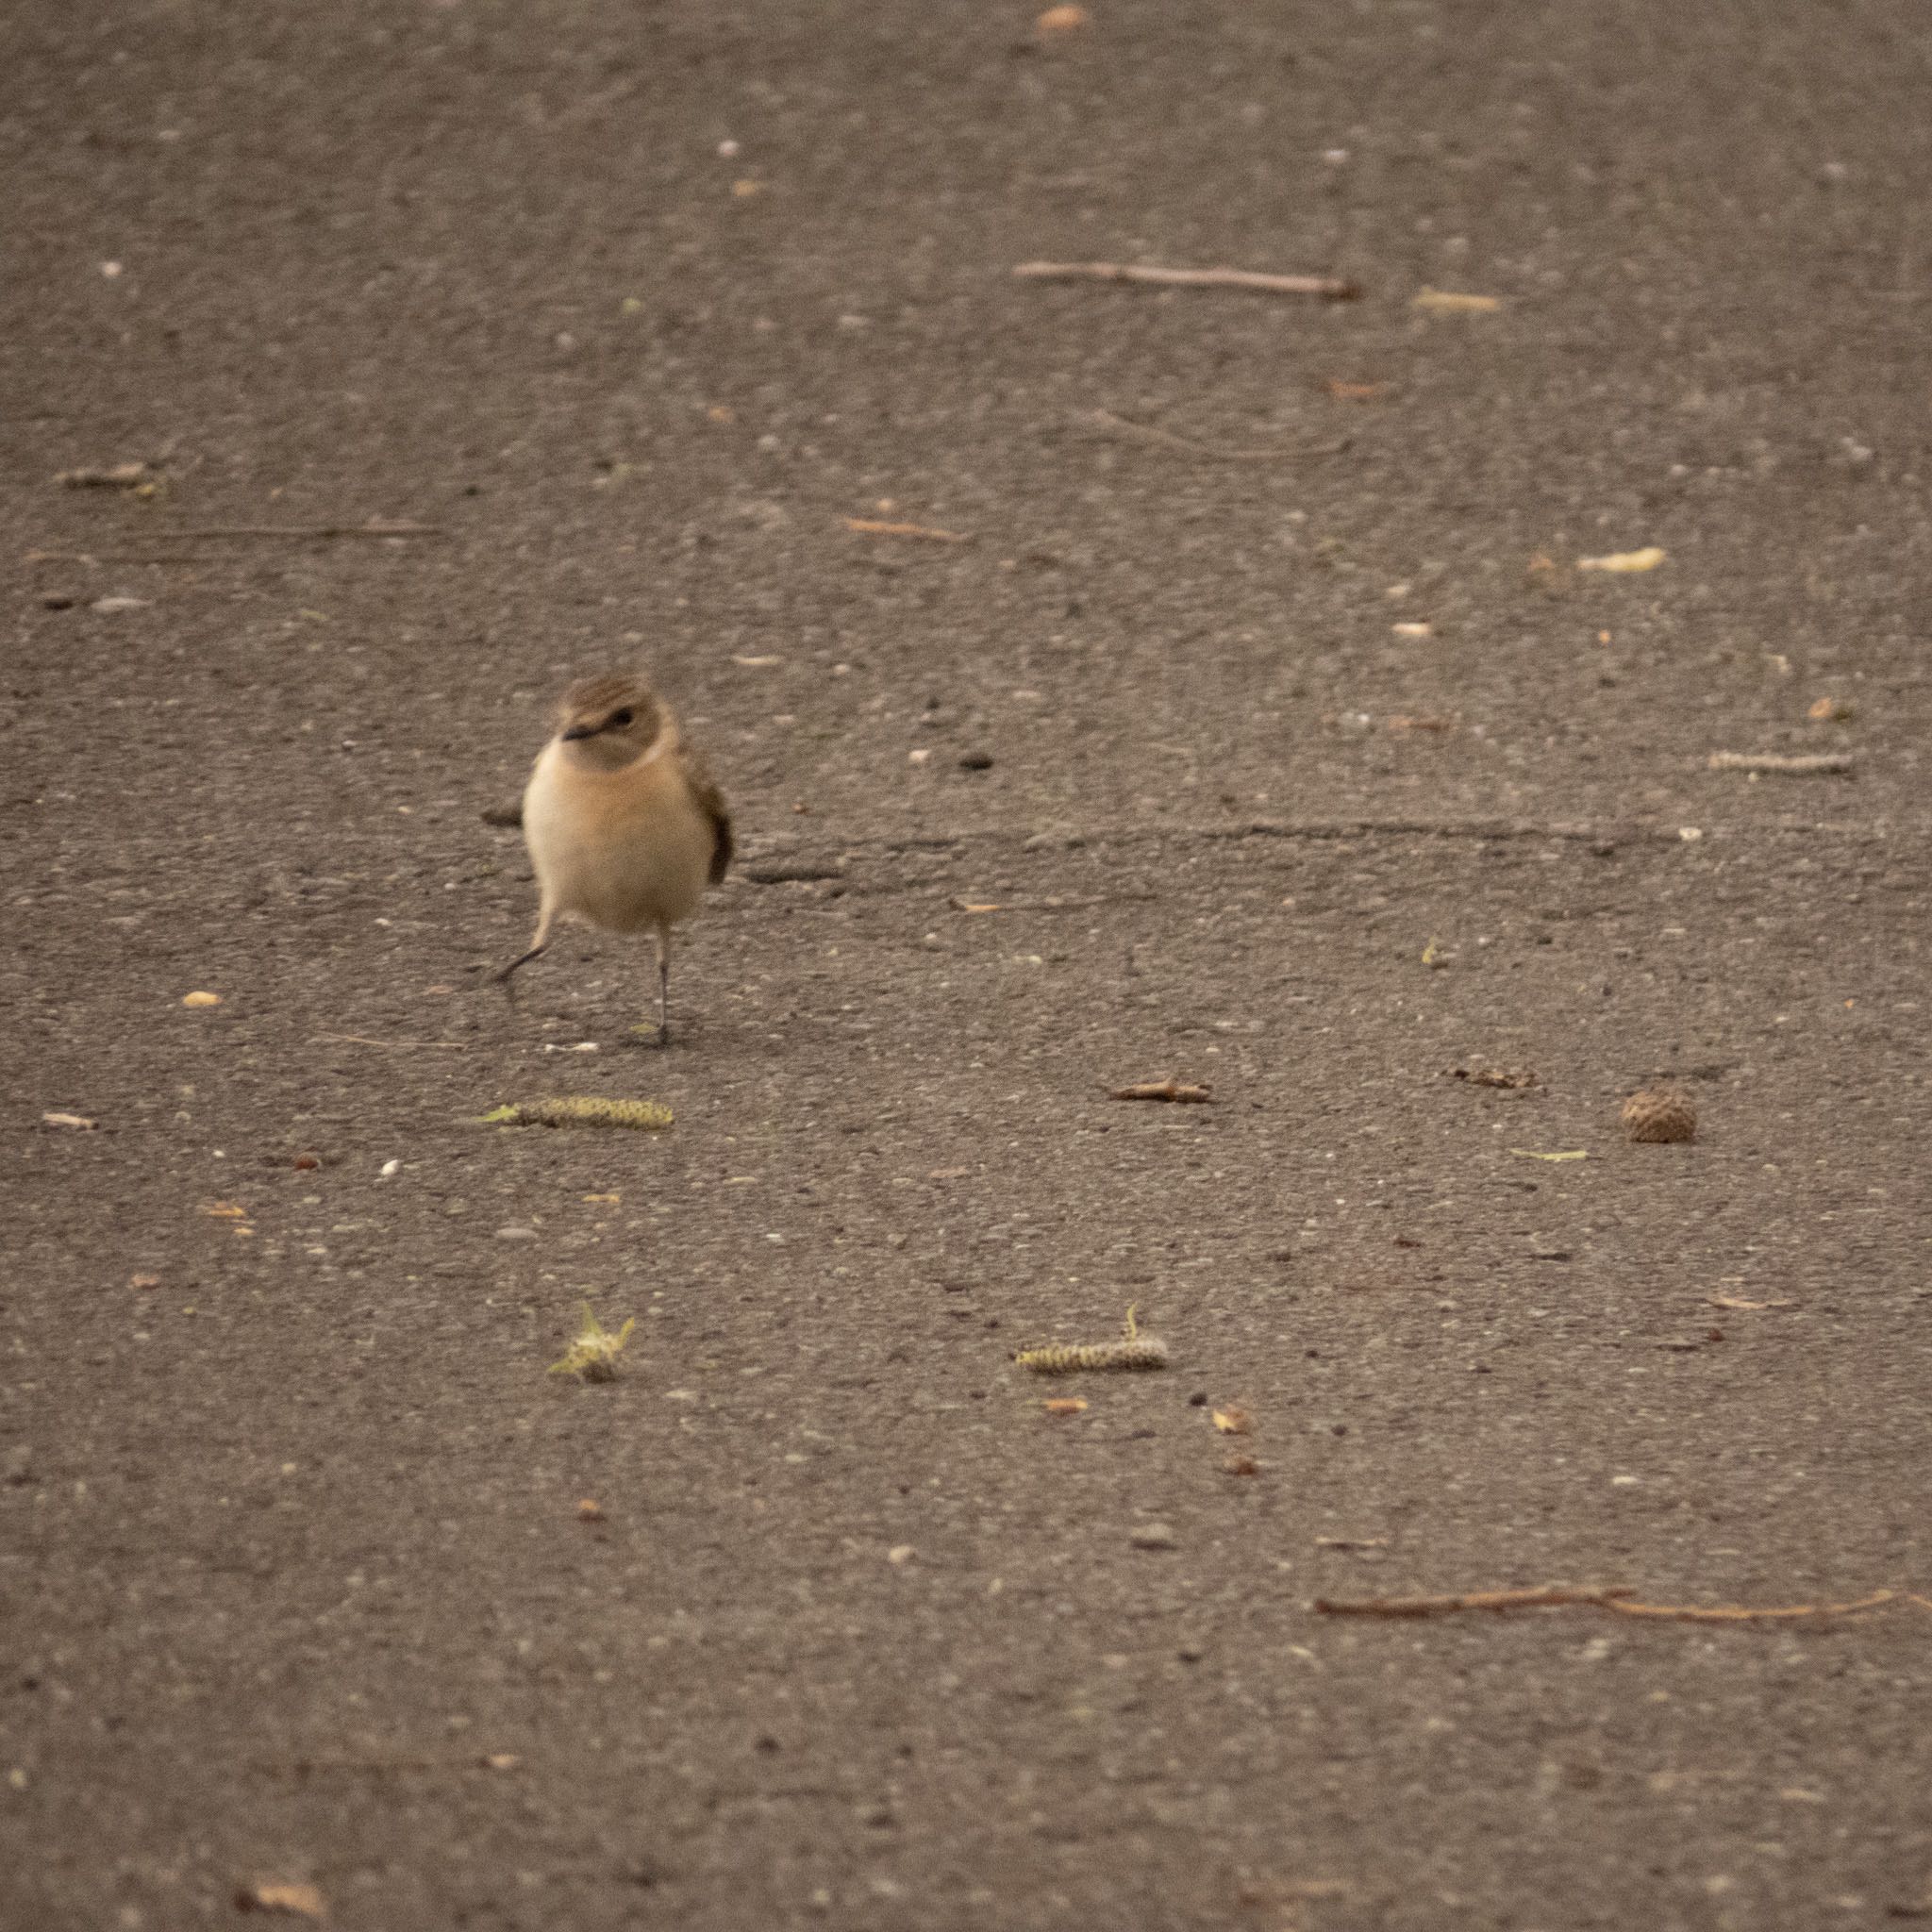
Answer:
(1615, 1599)
(1333, 286)
(363, 1039)
(1743, 1613)
(1146, 432)
(308, 530)
(1800, 764)
(1474, 1600)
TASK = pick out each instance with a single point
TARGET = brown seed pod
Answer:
(1660, 1113)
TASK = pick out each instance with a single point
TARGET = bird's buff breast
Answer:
(626, 850)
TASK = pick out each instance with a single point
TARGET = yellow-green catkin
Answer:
(1134, 1350)
(594, 1350)
(580, 1111)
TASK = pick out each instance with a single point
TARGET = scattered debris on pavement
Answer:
(1134, 1350)
(579, 1110)
(1331, 288)
(593, 1351)
(1660, 1113)
(1181, 1091)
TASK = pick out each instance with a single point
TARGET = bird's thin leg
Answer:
(663, 989)
(539, 942)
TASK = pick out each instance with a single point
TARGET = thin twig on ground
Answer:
(363, 1039)
(1802, 764)
(304, 531)
(1744, 1613)
(1617, 1599)
(1549, 1594)
(1334, 288)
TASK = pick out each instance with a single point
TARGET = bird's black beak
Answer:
(577, 731)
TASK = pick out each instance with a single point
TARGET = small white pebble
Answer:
(389, 1167)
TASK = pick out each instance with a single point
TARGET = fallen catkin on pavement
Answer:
(580, 1111)
(1134, 1350)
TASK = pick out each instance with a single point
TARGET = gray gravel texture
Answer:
(294, 1585)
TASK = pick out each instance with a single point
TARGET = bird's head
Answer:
(609, 722)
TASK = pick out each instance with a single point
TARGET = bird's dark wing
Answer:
(710, 801)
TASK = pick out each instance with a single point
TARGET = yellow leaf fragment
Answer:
(1065, 1405)
(225, 1211)
(1530, 1154)
(1623, 561)
(1446, 302)
(1062, 20)
(871, 526)
(116, 476)
(299, 1901)
(201, 999)
(1233, 1421)
(77, 1121)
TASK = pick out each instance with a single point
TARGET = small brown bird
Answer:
(625, 827)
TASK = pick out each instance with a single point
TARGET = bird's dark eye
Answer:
(620, 719)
